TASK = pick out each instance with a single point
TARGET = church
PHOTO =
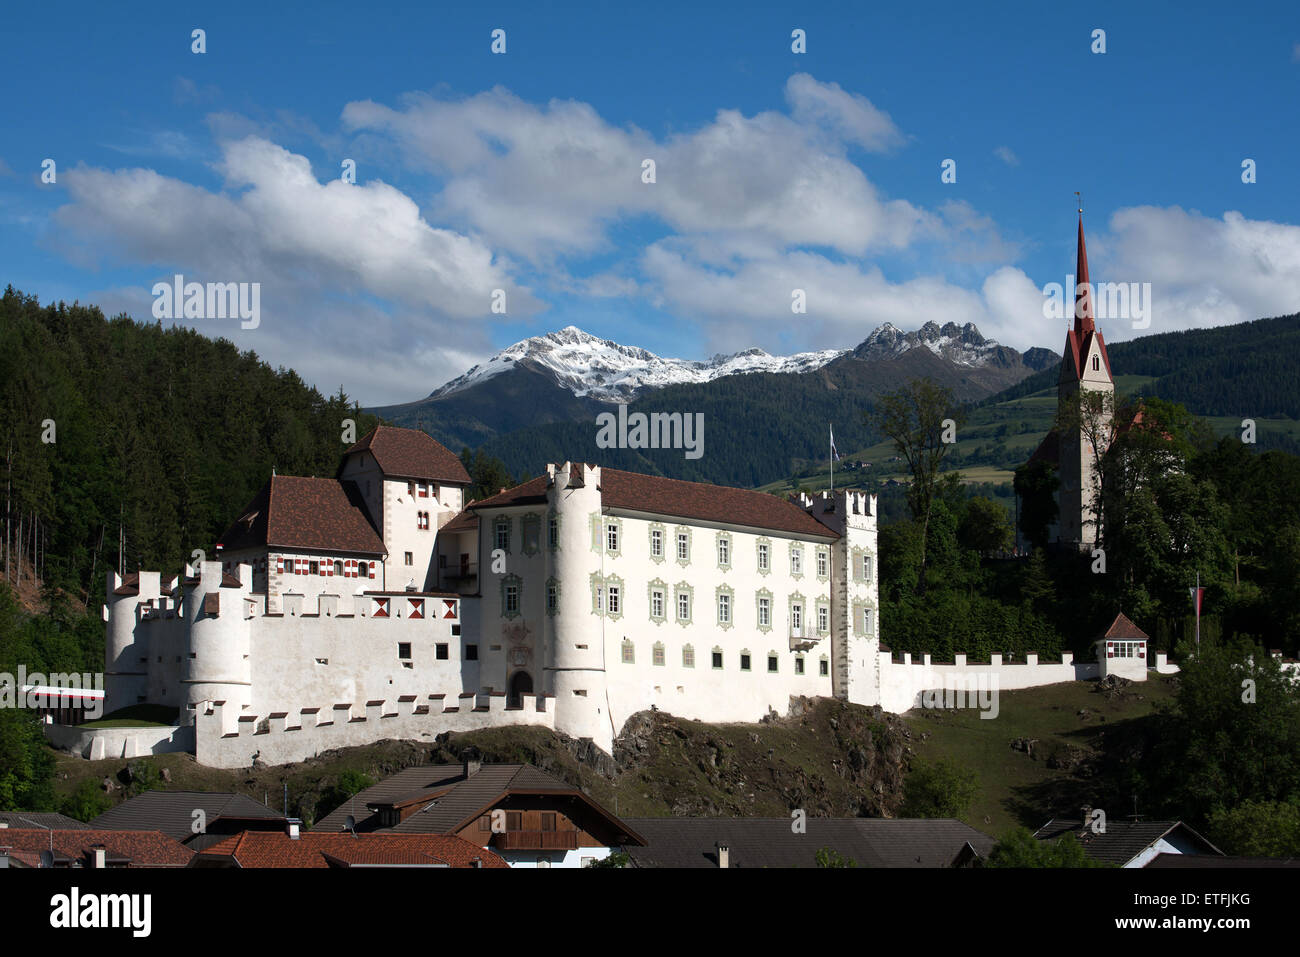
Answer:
(1086, 406)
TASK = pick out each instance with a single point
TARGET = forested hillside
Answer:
(1250, 369)
(161, 432)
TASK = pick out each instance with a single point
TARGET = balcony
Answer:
(801, 641)
(536, 841)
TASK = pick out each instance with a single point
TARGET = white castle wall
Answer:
(225, 738)
(97, 744)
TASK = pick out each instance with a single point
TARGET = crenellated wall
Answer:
(225, 738)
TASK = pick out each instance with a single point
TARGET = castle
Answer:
(573, 601)
(380, 604)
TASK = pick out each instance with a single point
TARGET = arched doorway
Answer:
(521, 684)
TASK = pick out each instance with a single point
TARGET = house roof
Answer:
(1122, 841)
(454, 801)
(466, 521)
(318, 514)
(123, 848)
(411, 454)
(320, 849)
(1183, 861)
(172, 812)
(1123, 628)
(635, 492)
(25, 819)
(770, 842)
(1049, 450)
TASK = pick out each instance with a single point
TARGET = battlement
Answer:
(226, 737)
(839, 505)
(572, 475)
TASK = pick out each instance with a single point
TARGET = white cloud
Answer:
(854, 118)
(1005, 154)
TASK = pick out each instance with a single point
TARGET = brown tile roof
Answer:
(26, 819)
(1122, 841)
(454, 801)
(305, 513)
(770, 842)
(172, 812)
(124, 848)
(690, 500)
(466, 521)
(1122, 627)
(411, 454)
(321, 849)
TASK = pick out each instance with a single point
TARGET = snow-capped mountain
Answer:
(606, 371)
(960, 345)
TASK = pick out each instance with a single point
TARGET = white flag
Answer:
(834, 454)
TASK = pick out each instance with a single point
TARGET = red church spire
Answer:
(1083, 317)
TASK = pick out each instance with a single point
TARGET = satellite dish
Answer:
(350, 824)
(47, 858)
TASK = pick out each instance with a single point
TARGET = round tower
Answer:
(125, 643)
(217, 665)
(575, 651)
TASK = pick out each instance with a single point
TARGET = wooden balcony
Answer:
(536, 840)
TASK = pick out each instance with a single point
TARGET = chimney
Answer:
(724, 856)
(292, 826)
(470, 766)
(101, 856)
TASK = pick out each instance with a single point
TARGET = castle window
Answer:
(614, 600)
(611, 538)
(313, 568)
(866, 568)
(552, 597)
(798, 665)
(471, 652)
(764, 556)
(440, 651)
(532, 531)
(825, 667)
(510, 599)
(553, 532)
(410, 559)
(724, 609)
(629, 653)
(657, 604)
(744, 661)
(724, 551)
(501, 532)
(683, 606)
(717, 659)
(688, 657)
(773, 662)
(1096, 363)
(764, 612)
(796, 560)
(656, 543)
(823, 563)
(866, 621)
(338, 569)
(659, 654)
(683, 546)
(796, 619)
(404, 650)
(823, 619)
(363, 569)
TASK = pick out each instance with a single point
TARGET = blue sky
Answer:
(522, 171)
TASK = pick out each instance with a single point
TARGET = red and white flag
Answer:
(1197, 595)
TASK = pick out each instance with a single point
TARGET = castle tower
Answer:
(126, 651)
(1084, 366)
(575, 645)
(855, 625)
(217, 665)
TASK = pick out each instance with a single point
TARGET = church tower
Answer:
(1084, 367)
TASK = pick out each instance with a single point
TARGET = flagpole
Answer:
(1198, 612)
(832, 450)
